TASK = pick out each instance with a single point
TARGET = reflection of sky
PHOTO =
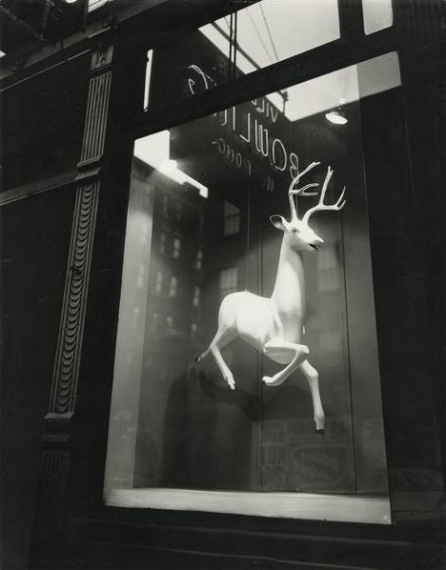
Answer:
(322, 93)
(274, 30)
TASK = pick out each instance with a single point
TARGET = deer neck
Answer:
(289, 289)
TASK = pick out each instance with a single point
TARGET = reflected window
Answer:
(201, 226)
(173, 285)
(163, 241)
(141, 275)
(228, 281)
(166, 205)
(178, 209)
(199, 260)
(159, 282)
(169, 324)
(176, 248)
(155, 322)
(196, 297)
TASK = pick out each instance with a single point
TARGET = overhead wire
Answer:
(273, 45)
(283, 93)
(254, 25)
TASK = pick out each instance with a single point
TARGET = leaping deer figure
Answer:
(274, 325)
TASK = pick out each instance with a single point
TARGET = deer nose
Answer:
(318, 240)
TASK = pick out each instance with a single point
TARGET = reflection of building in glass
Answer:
(175, 273)
(228, 281)
(195, 259)
(176, 256)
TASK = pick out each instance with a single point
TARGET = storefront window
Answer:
(180, 437)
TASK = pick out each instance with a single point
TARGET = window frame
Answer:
(351, 48)
(199, 500)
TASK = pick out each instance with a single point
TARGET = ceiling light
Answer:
(336, 117)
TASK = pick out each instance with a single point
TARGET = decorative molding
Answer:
(96, 119)
(66, 367)
(69, 345)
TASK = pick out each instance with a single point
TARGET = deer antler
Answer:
(320, 206)
(300, 191)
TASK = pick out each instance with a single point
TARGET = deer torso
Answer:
(259, 320)
(288, 295)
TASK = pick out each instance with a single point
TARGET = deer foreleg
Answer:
(312, 377)
(276, 349)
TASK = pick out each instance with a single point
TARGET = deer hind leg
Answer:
(223, 337)
(278, 350)
(312, 377)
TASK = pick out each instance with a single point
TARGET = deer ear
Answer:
(278, 222)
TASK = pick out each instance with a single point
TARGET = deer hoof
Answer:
(268, 380)
(273, 381)
(320, 432)
(231, 384)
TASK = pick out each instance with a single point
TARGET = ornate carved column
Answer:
(66, 368)
(62, 402)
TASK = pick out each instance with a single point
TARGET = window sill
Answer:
(337, 508)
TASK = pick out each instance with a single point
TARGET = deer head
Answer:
(297, 232)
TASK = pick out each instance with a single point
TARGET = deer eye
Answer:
(295, 231)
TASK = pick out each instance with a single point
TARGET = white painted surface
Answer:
(378, 15)
(340, 508)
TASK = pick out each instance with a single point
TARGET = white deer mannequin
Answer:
(274, 325)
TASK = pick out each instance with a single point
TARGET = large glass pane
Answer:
(199, 234)
(378, 15)
(250, 39)
(272, 30)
